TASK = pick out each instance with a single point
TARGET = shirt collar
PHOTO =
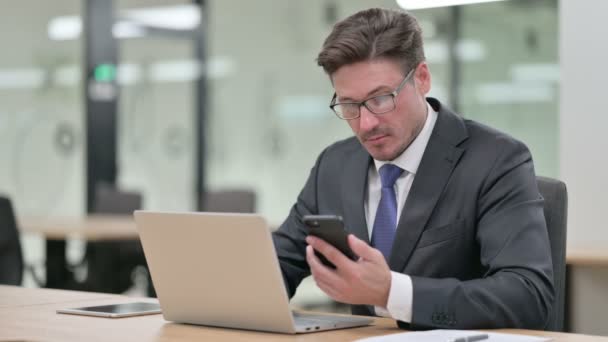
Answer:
(409, 160)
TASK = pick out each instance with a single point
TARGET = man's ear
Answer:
(422, 77)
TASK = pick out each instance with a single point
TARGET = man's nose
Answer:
(367, 120)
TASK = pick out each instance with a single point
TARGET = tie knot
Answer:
(389, 174)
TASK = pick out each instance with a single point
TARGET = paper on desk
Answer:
(446, 335)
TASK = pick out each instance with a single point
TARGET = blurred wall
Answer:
(584, 119)
(583, 162)
(42, 152)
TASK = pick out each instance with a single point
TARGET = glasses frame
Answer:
(394, 94)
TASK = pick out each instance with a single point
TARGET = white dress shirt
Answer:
(399, 304)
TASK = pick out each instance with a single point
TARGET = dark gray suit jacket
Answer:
(472, 234)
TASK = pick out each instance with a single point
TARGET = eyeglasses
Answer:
(380, 104)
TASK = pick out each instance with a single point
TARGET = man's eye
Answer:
(379, 101)
(350, 106)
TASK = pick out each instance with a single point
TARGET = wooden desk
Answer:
(581, 257)
(112, 227)
(29, 319)
(56, 231)
(594, 256)
(13, 296)
(92, 228)
(118, 227)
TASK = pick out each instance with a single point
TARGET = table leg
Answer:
(58, 276)
(567, 304)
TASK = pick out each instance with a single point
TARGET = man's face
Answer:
(384, 136)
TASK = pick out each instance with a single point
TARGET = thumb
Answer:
(361, 248)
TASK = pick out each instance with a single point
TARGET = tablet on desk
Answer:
(115, 310)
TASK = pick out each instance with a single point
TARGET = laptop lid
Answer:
(215, 269)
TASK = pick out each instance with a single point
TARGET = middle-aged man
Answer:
(445, 213)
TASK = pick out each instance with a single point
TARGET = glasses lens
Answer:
(380, 104)
(347, 110)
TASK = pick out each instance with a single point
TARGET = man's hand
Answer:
(365, 281)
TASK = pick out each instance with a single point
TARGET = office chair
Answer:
(233, 200)
(11, 258)
(110, 263)
(109, 200)
(556, 214)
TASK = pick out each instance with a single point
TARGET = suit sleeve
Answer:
(289, 239)
(516, 290)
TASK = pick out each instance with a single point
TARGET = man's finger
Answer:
(312, 259)
(330, 252)
(317, 268)
(362, 249)
(322, 273)
(327, 288)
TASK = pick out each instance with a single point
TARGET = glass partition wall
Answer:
(269, 115)
(41, 124)
(268, 112)
(42, 136)
(157, 74)
(514, 83)
(267, 104)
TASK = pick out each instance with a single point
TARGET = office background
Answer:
(533, 68)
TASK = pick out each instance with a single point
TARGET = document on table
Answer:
(454, 335)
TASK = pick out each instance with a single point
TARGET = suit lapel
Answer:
(440, 157)
(354, 185)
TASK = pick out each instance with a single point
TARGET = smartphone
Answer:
(331, 229)
(115, 310)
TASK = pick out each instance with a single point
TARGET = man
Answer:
(445, 213)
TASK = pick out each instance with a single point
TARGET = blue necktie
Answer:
(385, 223)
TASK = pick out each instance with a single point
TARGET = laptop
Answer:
(221, 269)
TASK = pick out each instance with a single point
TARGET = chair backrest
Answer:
(233, 201)
(111, 263)
(109, 200)
(556, 214)
(11, 258)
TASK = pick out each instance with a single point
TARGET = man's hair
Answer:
(373, 33)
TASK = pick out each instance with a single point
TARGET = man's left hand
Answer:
(365, 281)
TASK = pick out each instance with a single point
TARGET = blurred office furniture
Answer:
(230, 200)
(556, 213)
(93, 227)
(56, 230)
(21, 297)
(587, 256)
(586, 286)
(30, 314)
(110, 263)
(11, 258)
(108, 254)
(110, 200)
